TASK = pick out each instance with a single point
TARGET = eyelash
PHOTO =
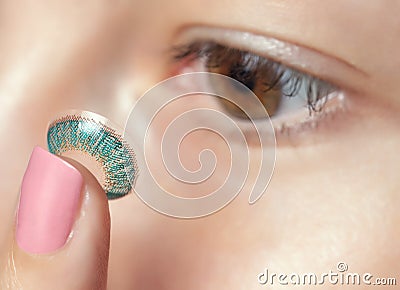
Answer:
(280, 75)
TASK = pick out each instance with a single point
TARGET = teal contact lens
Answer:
(90, 139)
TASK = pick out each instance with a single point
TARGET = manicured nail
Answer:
(50, 193)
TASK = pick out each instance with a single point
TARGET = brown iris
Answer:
(252, 71)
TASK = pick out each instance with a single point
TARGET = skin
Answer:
(334, 193)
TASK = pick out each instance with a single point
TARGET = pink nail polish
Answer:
(48, 203)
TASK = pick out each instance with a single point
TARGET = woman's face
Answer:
(333, 196)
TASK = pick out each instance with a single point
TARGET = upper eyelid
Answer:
(300, 57)
(318, 90)
(202, 49)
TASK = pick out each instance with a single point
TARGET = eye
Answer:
(281, 90)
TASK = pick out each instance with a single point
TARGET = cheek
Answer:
(338, 200)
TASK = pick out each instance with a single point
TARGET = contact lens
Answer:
(93, 141)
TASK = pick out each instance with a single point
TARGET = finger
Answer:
(62, 232)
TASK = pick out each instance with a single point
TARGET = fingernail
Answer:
(49, 199)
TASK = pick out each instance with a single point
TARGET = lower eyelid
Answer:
(299, 117)
(301, 127)
(318, 127)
